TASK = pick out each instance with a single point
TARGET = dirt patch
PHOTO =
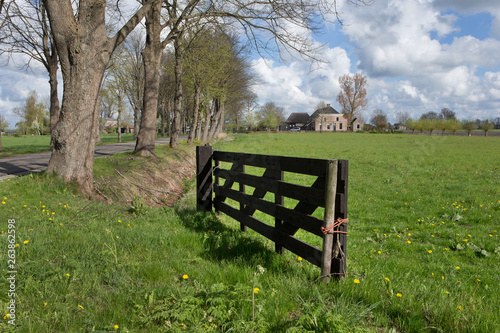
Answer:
(129, 179)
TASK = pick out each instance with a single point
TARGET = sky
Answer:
(418, 56)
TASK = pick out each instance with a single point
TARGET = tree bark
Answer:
(176, 123)
(151, 55)
(193, 127)
(208, 113)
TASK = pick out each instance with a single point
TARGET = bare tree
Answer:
(379, 119)
(267, 24)
(402, 117)
(352, 96)
(447, 114)
(84, 51)
(27, 31)
(486, 126)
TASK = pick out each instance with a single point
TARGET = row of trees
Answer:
(431, 122)
(83, 35)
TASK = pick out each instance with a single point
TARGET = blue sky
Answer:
(418, 56)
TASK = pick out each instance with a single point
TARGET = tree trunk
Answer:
(193, 127)
(161, 108)
(219, 108)
(198, 126)
(137, 113)
(151, 55)
(54, 99)
(174, 135)
(208, 113)
(84, 51)
(119, 120)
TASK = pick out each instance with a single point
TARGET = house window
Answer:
(340, 126)
(337, 118)
(328, 126)
(358, 126)
(324, 118)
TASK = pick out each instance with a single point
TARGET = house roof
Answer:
(298, 117)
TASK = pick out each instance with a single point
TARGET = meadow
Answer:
(422, 253)
(14, 145)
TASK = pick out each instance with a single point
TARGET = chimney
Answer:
(328, 105)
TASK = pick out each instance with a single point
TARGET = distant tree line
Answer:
(445, 121)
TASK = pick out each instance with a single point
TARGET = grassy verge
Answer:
(423, 245)
(13, 146)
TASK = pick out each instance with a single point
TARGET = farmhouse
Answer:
(326, 119)
(110, 126)
(296, 119)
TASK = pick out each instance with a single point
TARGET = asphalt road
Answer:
(25, 164)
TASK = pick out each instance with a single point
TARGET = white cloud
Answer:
(299, 87)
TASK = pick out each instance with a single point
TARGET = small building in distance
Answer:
(296, 120)
(328, 119)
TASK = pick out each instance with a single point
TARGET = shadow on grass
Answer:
(223, 243)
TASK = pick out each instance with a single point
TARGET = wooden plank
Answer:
(311, 195)
(308, 166)
(300, 248)
(204, 177)
(290, 216)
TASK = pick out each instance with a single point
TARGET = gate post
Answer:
(204, 177)
(329, 219)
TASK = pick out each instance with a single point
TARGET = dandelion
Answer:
(185, 277)
(409, 242)
(16, 245)
(299, 258)
(356, 281)
(6, 316)
(68, 275)
(81, 307)
(45, 304)
(3, 202)
(442, 277)
(447, 292)
(430, 251)
(26, 242)
(116, 327)
(459, 307)
(399, 295)
(409, 234)
(458, 267)
(256, 290)
(465, 240)
(379, 252)
(387, 279)
(119, 221)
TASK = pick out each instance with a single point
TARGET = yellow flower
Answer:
(387, 279)
(379, 252)
(459, 307)
(299, 258)
(6, 316)
(256, 290)
(430, 251)
(399, 295)
(81, 307)
(26, 242)
(185, 277)
(409, 234)
(16, 245)
(3, 202)
(408, 242)
(447, 292)
(119, 221)
(356, 281)
(45, 304)
(458, 267)
(68, 275)
(116, 327)
(465, 240)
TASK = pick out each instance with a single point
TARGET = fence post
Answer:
(204, 178)
(329, 219)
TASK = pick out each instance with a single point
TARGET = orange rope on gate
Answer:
(336, 223)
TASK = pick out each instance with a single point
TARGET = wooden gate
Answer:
(329, 190)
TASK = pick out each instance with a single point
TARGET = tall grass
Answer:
(88, 266)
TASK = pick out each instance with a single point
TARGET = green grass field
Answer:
(13, 145)
(422, 256)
